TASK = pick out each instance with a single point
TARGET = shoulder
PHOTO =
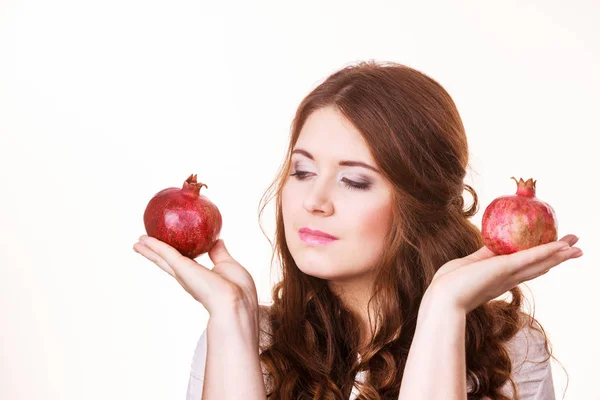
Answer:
(526, 347)
(531, 368)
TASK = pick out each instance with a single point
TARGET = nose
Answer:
(318, 199)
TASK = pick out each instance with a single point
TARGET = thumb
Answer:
(219, 253)
(482, 254)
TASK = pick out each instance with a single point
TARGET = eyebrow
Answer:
(345, 163)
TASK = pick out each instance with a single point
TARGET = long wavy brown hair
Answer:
(418, 140)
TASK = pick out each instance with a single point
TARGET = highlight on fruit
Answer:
(184, 219)
(517, 222)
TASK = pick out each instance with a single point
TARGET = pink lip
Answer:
(316, 233)
(315, 237)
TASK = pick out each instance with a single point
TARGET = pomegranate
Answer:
(184, 219)
(518, 222)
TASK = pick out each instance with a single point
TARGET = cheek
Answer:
(287, 203)
(370, 228)
(371, 223)
(290, 207)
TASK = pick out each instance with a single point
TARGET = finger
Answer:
(219, 253)
(485, 253)
(168, 253)
(542, 267)
(187, 271)
(570, 238)
(152, 256)
(482, 254)
(512, 264)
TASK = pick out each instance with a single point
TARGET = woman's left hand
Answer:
(473, 280)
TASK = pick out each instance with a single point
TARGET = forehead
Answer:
(328, 134)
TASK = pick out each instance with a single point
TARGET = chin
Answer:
(316, 266)
(320, 273)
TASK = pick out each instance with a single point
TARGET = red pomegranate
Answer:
(518, 222)
(184, 219)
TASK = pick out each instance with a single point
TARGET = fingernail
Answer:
(578, 253)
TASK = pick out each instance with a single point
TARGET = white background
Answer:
(104, 103)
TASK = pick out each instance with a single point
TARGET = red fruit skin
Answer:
(184, 219)
(518, 222)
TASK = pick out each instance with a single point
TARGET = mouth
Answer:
(315, 237)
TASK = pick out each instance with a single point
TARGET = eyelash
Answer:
(301, 175)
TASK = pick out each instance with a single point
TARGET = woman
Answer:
(387, 290)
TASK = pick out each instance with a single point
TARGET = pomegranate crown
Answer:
(191, 185)
(525, 188)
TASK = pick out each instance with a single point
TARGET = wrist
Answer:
(437, 317)
(437, 350)
(438, 304)
(233, 306)
(235, 319)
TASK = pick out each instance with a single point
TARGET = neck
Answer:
(355, 296)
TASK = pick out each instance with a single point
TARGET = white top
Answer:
(526, 349)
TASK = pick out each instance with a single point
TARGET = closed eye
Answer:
(302, 175)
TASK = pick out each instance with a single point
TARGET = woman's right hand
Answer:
(227, 285)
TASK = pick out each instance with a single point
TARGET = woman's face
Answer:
(349, 201)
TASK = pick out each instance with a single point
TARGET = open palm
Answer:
(482, 276)
(227, 284)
